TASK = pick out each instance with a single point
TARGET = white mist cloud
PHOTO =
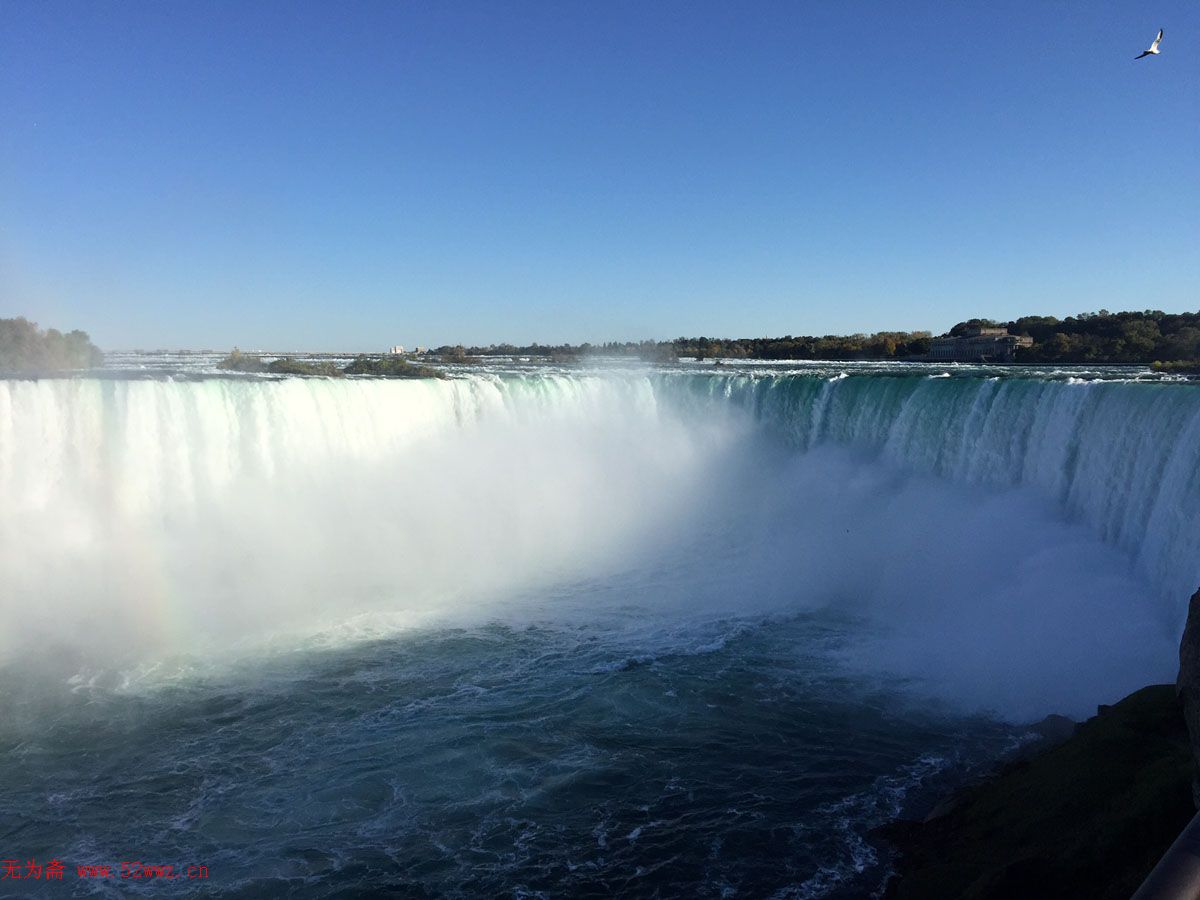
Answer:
(146, 519)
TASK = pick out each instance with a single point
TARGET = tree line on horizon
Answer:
(1096, 337)
(1144, 338)
(1103, 337)
(24, 347)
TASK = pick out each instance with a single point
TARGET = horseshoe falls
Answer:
(523, 632)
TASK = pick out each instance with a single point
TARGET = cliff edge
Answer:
(1188, 684)
(1088, 818)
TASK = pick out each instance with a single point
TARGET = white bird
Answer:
(1153, 47)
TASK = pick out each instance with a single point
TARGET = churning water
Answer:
(537, 632)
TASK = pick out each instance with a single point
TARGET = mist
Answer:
(145, 521)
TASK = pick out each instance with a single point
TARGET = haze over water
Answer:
(536, 631)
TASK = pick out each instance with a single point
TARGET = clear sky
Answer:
(353, 175)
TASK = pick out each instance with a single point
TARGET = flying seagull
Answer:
(1153, 47)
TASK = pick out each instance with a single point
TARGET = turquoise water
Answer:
(493, 761)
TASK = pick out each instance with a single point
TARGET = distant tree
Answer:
(456, 354)
(391, 367)
(652, 351)
(26, 348)
(962, 327)
(237, 361)
(1104, 337)
(289, 366)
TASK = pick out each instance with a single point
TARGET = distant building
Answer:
(978, 344)
(396, 350)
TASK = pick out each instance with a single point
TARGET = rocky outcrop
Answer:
(1087, 818)
(1188, 684)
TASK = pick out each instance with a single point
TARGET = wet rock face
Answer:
(1188, 683)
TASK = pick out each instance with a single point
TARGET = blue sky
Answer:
(348, 176)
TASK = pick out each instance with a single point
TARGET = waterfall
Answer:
(156, 515)
(1121, 457)
(156, 511)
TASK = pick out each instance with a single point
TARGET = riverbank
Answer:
(1089, 817)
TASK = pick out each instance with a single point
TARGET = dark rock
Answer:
(944, 807)
(1087, 818)
(1187, 685)
(1055, 729)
